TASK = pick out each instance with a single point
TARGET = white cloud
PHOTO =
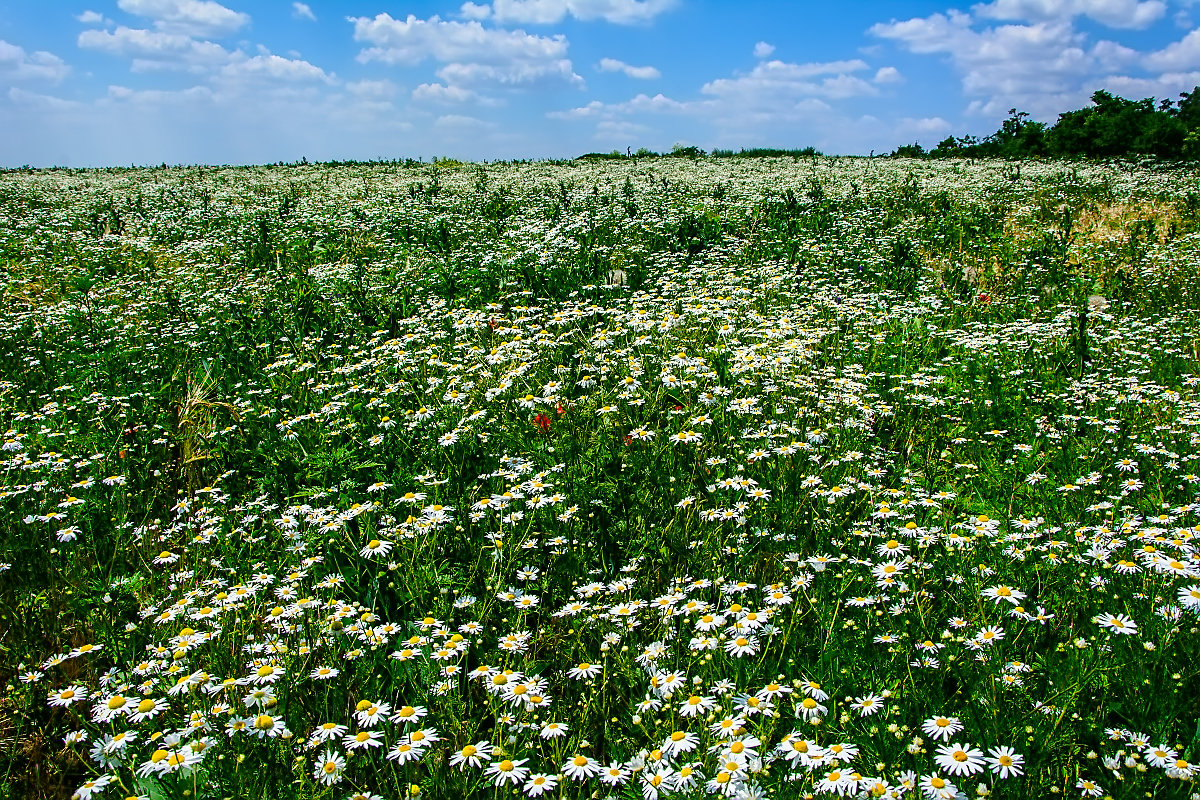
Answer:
(783, 80)
(274, 69)
(512, 74)
(642, 103)
(1166, 85)
(923, 126)
(1042, 68)
(462, 124)
(774, 103)
(18, 65)
(619, 130)
(158, 51)
(1113, 13)
(190, 17)
(472, 53)
(413, 40)
(442, 94)
(888, 75)
(1112, 56)
(155, 50)
(160, 98)
(932, 34)
(90, 17)
(39, 101)
(1181, 55)
(302, 11)
(374, 89)
(763, 50)
(545, 12)
(471, 10)
(640, 73)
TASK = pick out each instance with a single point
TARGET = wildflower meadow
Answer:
(641, 478)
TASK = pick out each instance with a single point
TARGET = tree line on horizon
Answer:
(1111, 127)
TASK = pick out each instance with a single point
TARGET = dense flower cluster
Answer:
(728, 533)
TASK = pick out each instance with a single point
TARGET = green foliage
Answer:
(1112, 127)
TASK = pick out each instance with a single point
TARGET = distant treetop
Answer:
(1112, 127)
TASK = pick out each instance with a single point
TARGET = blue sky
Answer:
(118, 82)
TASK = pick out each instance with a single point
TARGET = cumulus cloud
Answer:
(475, 10)
(442, 94)
(160, 98)
(546, 12)
(642, 103)
(302, 11)
(1166, 85)
(923, 126)
(1113, 13)
(18, 65)
(783, 80)
(1043, 67)
(412, 40)
(151, 51)
(763, 50)
(90, 17)
(888, 75)
(472, 53)
(773, 93)
(1181, 55)
(158, 51)
(374, 89)
(38, 101)
(274, 69)
(775, 104)
(189, 17)
(640, 73)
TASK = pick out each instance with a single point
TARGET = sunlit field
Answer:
(631, 478)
